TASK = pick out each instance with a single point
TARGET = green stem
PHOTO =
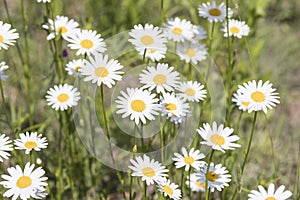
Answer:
(182, 179)
(104, 113)
(189, 185)
(161, 137)
(130, 187)
(162, 14)
(206, 179)
(145, 190)
(4, 108)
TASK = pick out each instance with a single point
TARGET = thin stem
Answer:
(161, 137)
(145, 190)
(207, 171)
(189, 185)
(182, 179)
(4, 107)
(130, 187)
(104, 113)
(162, 14)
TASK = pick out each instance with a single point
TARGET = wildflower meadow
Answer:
(150, 100)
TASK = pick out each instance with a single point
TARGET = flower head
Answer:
(193, 52)
(269, 194)
(8, 36)
(31, 141)
(5, 146)
(74, 67)
(195, 185)
(138, 104)
(179, 30)
(199, 34)
(154, 54)
(24, 184)
(169, 189)
(44, 1)
(191, 91)
(236, 28)
(3, 67)
(219, 138)
(218, 176)
(189, 159)
(150, 170)
(212, 12)
(61, 25)
(163, 78)
(60, 97)
(100, 70)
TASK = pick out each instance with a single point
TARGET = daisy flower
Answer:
(218, 176)
(174, 107)
(258, 96)
(241, 101)
(100, 70)
(147, 37)
(271, 194)
(60, 97)
(179, 30)
(61, 25)
(163, 78)
(212, 12)
(191, 91)
(150, 170)
(5, 146)
(29, 141)
(3, 67)
(7, 36)
(86, 42)
(154, 54)
(191, 158)
(199, 34)
(24, 184)
(138, 104)
(169, 189)
(74, 67)
(219, 138)
(44, 1)
(195, 185)
(194, 52)
(236, 28)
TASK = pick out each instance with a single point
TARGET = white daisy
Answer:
(86, 42)
(241, 101)
(7, 36)
(29, 141)
(169, 189)
(163, 78)
(44, 1)
(191, 158)
(191, 52)
(218, 176)
(191, 91)
(61, 25)
(147, 37)
(5, 146)
(3, 67)
(138, 104)
(24, 184)
(261, 96)
(271, 194)
(199, 34)
(219, 138)
(179, 30)
(100, 70)
(212, 12)
(150, 170)
(195, 185)
(236, 28)
(154, 55)
(174, 107)
(62, 96)
(74, 67)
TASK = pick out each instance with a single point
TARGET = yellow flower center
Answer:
(217, 139)
(270, 198)
(214, 12)
(77, 68)
(24, 182)
(1, 38)
(167, 189)
(138, 105)
(147, 40)
(63, 97)
(245, 103)
(258, 96)
(101, 72)
(171, 106)
(200, 185)
(212, 176)
(189, 160)
(151, 51)
(190, 92)
(148, 171)
(62, 29)
(87, 44)
(159, 79)
(190, 52)
(234, 29)
(30, 144)
(177, 31)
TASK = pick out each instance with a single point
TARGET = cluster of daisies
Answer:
(29, 182)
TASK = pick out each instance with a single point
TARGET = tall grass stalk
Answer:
(8, 121)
